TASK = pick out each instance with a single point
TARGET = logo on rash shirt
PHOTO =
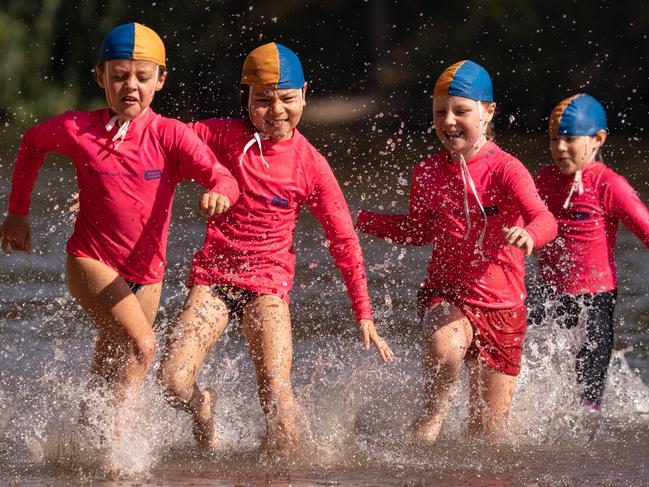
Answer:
(491, 210)
(152, 174)
(580, 215)
(279, 201)
(112, 174)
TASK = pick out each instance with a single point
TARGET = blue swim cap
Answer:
(578, 115)
(466, 79)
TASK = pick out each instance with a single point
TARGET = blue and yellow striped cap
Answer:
(578, 115)
(273, 65)
(466, 79)
(133, 41)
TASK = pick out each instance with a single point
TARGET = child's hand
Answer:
(519, 238)
(212, 204)
(368, 330)
(353, 212)
(16, 233)
(75, 206)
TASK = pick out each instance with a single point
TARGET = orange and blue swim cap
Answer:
(273, 65)
(466, 79)
(578, 115)
(133, 41)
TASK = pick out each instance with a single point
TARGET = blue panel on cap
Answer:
(584, 115)
(119, 43)
(290, 69)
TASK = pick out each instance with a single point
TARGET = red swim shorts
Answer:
(497, 333)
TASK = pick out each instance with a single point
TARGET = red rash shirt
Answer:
(125, 193)
(582, 258)
(252, 245)
(490, 275)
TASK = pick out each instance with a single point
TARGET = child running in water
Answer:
(479, 208)
(578, 269)
(247, 263)
(128, 161)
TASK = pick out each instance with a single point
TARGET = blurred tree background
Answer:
(361, 57)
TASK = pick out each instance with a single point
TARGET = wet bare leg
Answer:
(491, 397)
(447, 336)
(199, 327)
(126, 345)
(267, 327)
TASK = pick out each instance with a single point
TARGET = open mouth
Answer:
(276, 123)
(453, 135)
(129, 100)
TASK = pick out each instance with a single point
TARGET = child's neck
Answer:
(471, 153)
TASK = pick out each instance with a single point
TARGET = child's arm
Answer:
(540, 224)
(53, 135)
(328, 205)
(622, 200)
(16, 233)
(198, 163)
(413, 228)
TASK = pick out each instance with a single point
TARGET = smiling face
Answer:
(460, 123)
(276, 112)
(130, 85)
(573, 153)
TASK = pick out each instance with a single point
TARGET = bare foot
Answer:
(426, 430)
(203, 428)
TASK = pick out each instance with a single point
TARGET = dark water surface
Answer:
(355, 410)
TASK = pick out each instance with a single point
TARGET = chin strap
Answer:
(577, 182)
(468, 180)
(123, 124)
(257, 137)
(468, 183)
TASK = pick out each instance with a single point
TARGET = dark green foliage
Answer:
(537, 52)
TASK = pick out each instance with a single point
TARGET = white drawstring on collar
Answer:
(255, 138)
(577, 185)
(121, 133)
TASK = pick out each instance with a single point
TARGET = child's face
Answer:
(130, 85)
(458, 122)
(276, 112)
(572, 153)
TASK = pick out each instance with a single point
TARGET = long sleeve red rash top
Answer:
(582, 258)
(488, 274)
(252, 245)
(125, 191)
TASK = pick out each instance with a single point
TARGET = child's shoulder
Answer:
(498, 155)
(234, 124)
(547, 172)
(609, 178)
(231, 130)
(442, 158)
(306, 151)
(80, 119)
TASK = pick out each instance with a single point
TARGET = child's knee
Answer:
(146, 349)
(175, 386)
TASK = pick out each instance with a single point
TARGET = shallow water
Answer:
(354, 410)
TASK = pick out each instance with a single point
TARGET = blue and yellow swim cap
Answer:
(273, 65)
(133, 41)
(466, 79)
(578, 115)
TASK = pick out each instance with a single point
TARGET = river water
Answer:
(355, 411)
